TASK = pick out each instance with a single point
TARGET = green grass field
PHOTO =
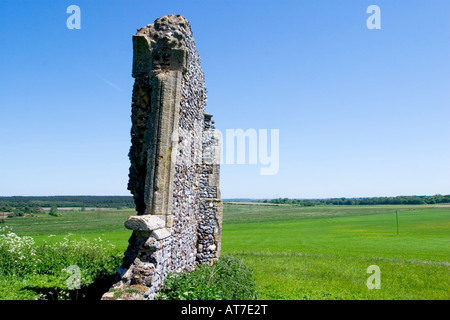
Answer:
(324, 252)
(317, 252)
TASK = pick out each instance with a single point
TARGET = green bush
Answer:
(54, 211)
(227, 279)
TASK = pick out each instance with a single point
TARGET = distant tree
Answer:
(27, 210)
(37, 209)
(53, 210)
(307, 203)
(18, 212)
(6, 209)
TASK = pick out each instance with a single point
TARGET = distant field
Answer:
(317, 252)
(424, 232)
(108, 224)
(324, 252)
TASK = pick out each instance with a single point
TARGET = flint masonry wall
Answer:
(210, 211)
(174, 175)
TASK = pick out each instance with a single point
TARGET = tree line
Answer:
(20, 205)
(409, 200)
(34, 204)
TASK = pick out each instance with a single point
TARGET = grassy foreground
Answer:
(320, 252)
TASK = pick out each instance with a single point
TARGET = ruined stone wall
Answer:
(174, 174)
(210, 213)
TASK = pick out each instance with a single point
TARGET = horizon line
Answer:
(231, 198)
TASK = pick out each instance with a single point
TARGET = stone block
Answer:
(108, 296)
(144, 223)
(152, 244)
(160, 234)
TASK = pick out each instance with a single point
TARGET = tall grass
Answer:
(228, 279)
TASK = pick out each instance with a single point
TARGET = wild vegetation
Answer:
(228, 279)
(67, 269)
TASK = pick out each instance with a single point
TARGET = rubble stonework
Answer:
(174, 172)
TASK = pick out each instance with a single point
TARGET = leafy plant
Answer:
(227, 279)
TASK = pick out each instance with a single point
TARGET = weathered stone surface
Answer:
(160, 234)
(108, 296)
(174, 171)
(144, 223)
(152, 244)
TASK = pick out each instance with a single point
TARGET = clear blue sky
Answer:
(360, 112)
